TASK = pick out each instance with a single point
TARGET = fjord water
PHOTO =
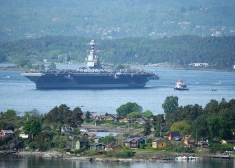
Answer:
(14, 161)
(20, 94)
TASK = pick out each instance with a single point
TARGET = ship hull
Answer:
(88, 81)
(181, 88)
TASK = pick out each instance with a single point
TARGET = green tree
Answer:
(32, 126)
(107, 139)
(43, 141)
(182, 127)
(10, 113)
(35, 113)
(158, 122)
(147, 127)
(147, 114)
(212, 107)
(214, 126)
(32, 113)
(51, 116)
(134, 115)
(128, 108)
(60, 114)
(76, 117)
(10, 120)
(64, 113)
(200, 127)
(87, 116)
(170, 104)
(227, 123)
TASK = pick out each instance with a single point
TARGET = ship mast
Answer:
(93, 61)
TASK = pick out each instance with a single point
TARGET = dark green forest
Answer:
(115, 19)
(215, 122)
(218, 52)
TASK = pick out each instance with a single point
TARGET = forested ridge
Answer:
(218, 52)
(115, 19)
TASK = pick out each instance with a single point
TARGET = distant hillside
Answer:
(218, 52)
(112, 19)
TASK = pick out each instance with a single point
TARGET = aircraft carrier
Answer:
(92, 76)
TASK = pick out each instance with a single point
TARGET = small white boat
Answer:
(180, 85)
(193, 158)
(181, 158)
(186, 158)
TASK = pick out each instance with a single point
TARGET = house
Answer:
(231, 141)
(117, 119)
(158, 143)
(139, 121)
(81, 144)
(103, 115)
(111, 146)
(134, 142)
(125, 120)
(203, 144)
(110, 118)
(91, 134)
(97, 117)
(189, 141)
(97, 139)
(6, 133)
(84, 133)
(174, 136)
(65, 130)
(83, 129)
(97, 146)
(23, 135)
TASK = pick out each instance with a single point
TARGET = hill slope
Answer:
(219, 52)
(115, 18)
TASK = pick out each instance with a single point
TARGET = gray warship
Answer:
(94, 76)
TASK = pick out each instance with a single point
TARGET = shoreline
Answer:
(158, 158)
(2, 68)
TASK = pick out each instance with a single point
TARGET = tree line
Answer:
(218, 52)
(214, 122)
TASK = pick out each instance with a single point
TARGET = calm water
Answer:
(19, 93)
(12, 161)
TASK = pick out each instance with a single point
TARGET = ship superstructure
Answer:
(94, 76)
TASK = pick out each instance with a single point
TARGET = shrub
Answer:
(110, 154)
(125, 152)
(89, 153)
(31, 145)
(141, 146)
(78, 151)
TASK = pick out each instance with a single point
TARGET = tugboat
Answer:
(180, 85)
